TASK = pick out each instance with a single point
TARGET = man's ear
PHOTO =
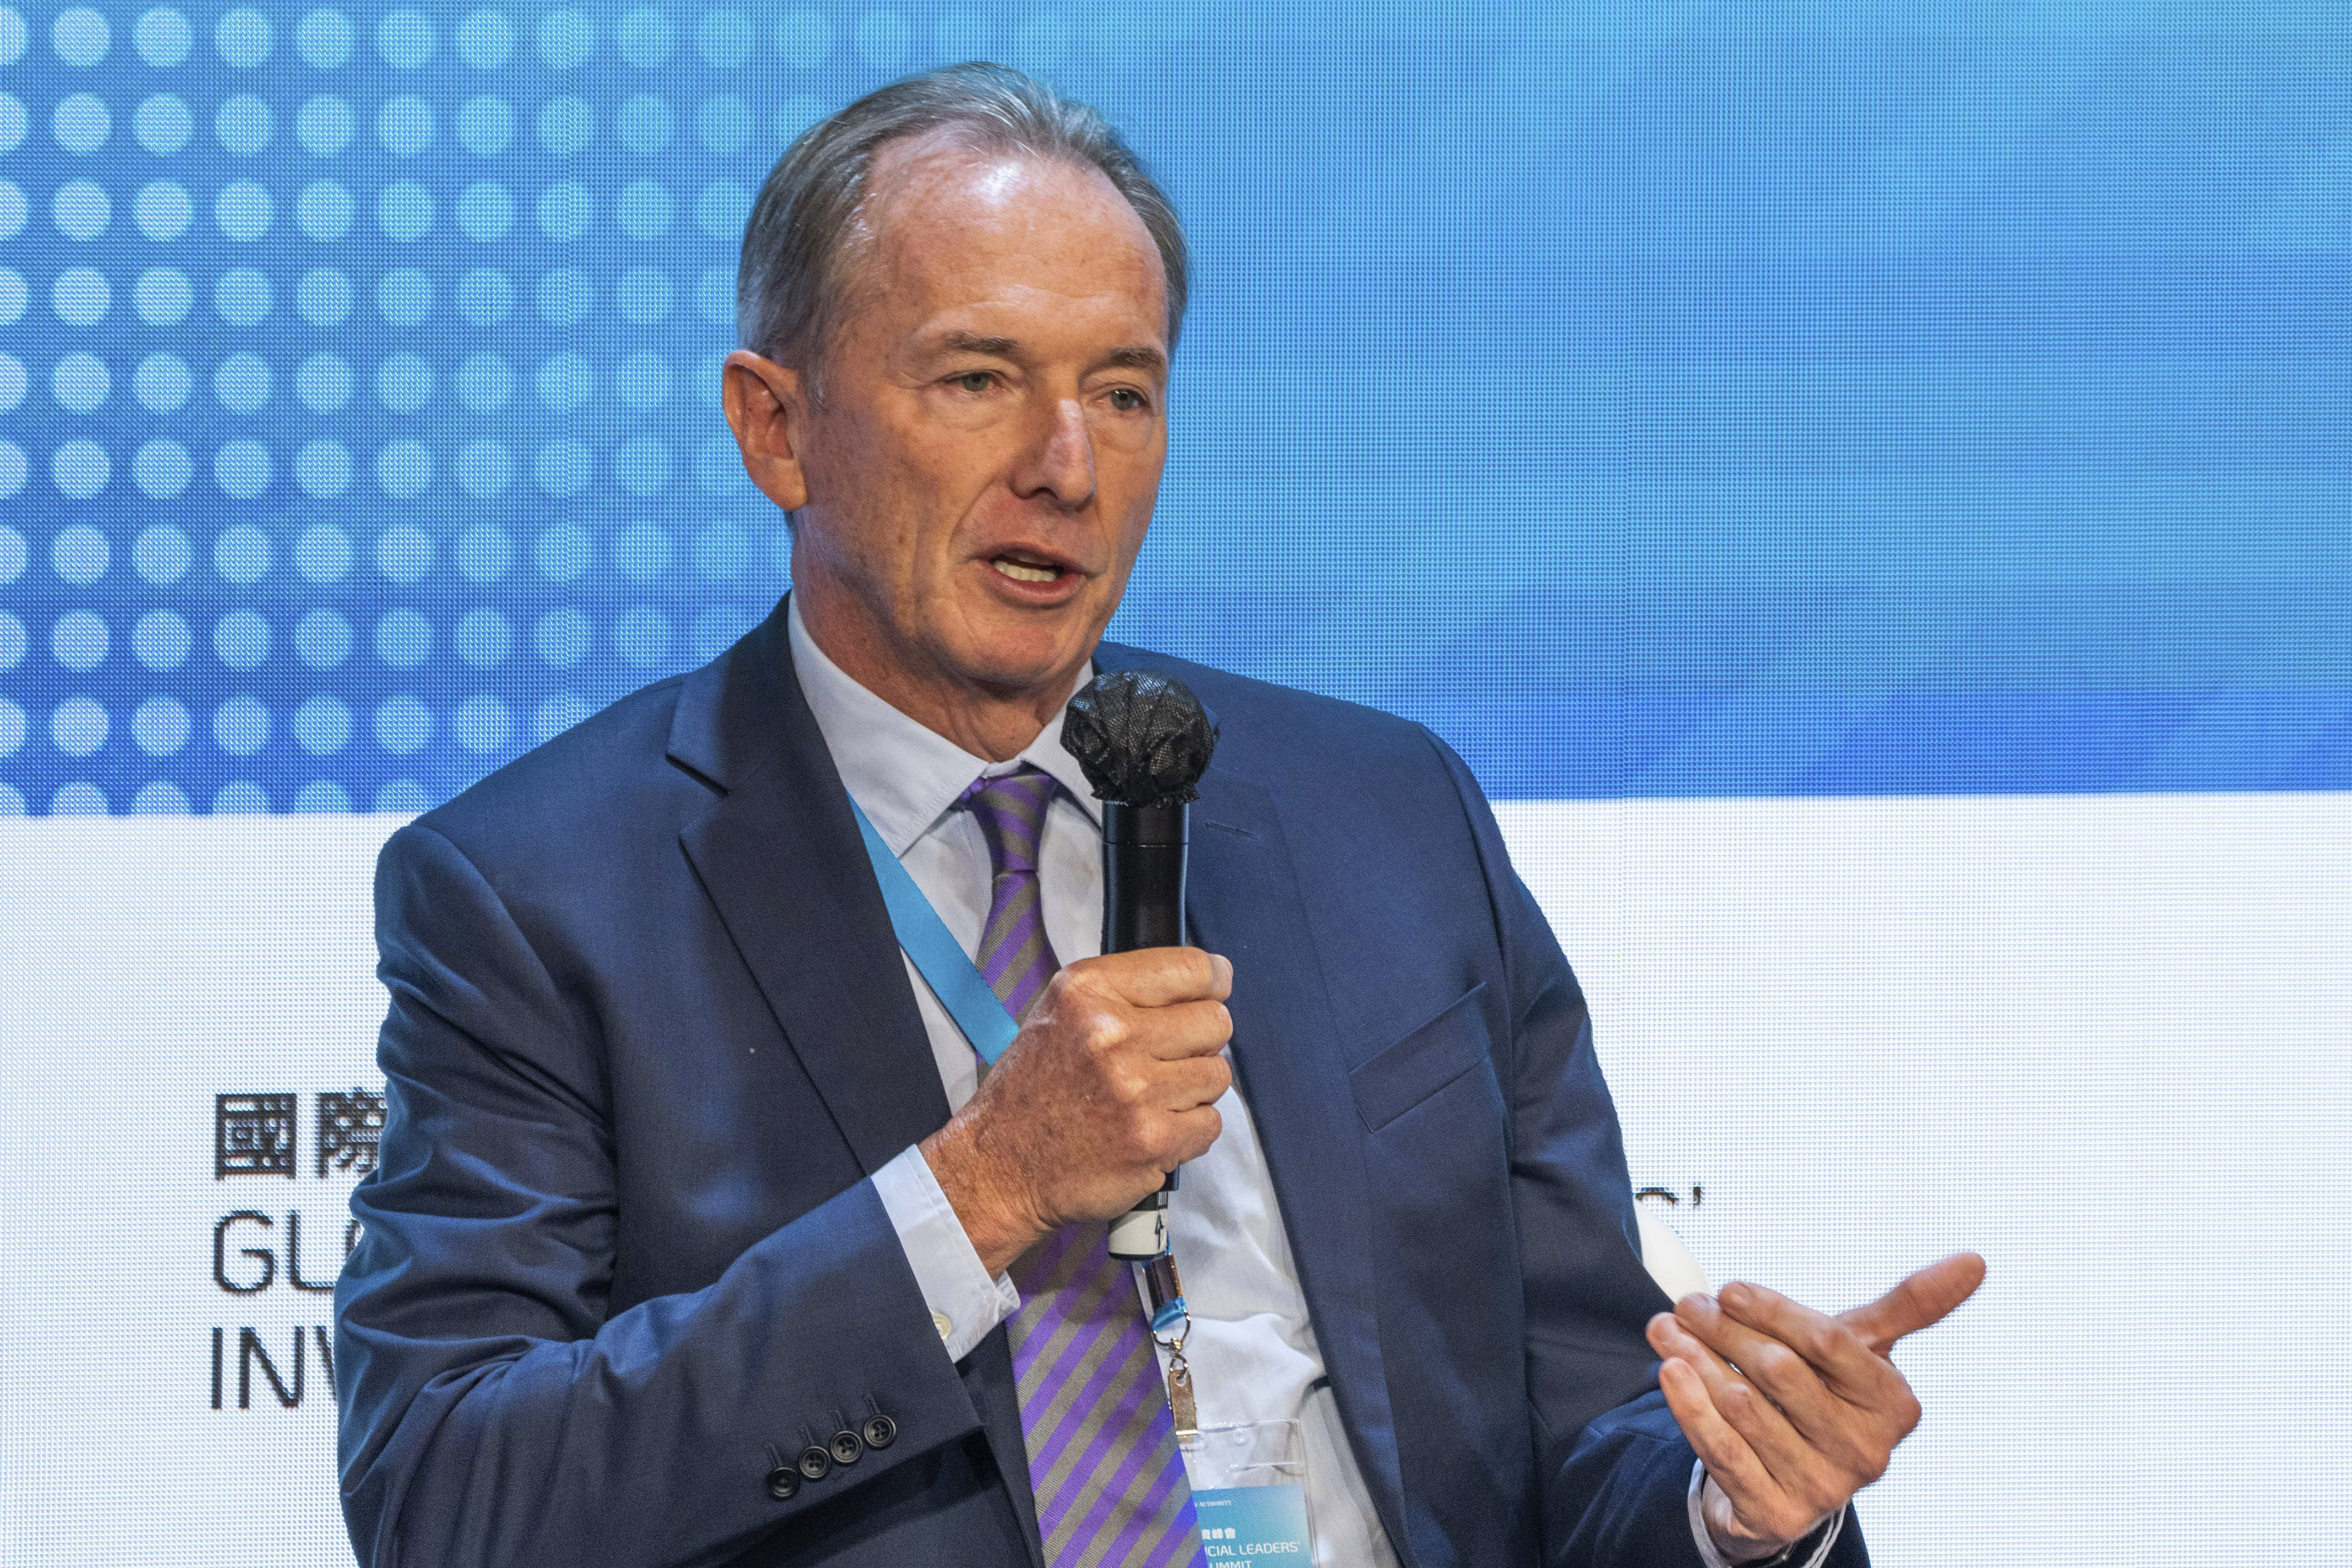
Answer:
(768, 409)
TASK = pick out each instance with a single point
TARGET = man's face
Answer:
(982, 466)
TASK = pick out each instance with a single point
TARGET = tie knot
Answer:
(1011, 810)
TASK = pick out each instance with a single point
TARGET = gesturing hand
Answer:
(1791, 1410)
(1111, 1083)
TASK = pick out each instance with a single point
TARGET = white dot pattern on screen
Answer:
(327, 384)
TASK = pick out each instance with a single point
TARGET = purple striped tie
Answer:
(1102, 1446)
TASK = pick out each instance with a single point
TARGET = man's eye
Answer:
(1126, 399)
(975, 382)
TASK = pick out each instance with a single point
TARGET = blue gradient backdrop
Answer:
(1655, 398)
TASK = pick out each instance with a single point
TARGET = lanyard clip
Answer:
(1167, 1293)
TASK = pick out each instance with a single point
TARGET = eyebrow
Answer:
(1138, 358)
(1134, 356)
(973, 343)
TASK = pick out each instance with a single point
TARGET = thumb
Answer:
(1917, 1301)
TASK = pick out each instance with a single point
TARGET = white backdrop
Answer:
(2106, 1041)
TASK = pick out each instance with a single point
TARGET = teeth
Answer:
(1020, 572)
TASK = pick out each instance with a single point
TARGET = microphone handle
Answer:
(1143, 905)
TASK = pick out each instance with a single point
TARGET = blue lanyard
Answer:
(936, 955)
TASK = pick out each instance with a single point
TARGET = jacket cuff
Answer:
(1808, 1552)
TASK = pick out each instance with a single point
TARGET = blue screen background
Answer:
(1657, 399)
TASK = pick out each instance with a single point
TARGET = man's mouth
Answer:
(1024, 567)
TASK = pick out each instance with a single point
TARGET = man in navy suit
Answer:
(699, 1234)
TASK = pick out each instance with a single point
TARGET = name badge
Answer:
(1249, 1492)
(1254, 1524)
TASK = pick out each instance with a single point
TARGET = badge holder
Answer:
(1248, 1478)
(1249, 1491)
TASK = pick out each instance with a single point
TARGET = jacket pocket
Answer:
(1424, 1061)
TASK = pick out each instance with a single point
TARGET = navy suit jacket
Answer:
(649, 1032)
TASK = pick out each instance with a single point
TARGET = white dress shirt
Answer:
(1252, 1349)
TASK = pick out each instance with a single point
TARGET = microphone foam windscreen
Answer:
(1140, 737)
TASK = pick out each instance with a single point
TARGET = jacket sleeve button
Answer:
(783, 1482)
(815, 1462)
(845, 1447)
(879, 1431)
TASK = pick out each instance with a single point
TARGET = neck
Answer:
(987, 720)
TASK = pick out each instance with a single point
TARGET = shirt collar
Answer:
(904, 774)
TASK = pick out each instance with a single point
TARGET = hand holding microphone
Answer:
(1113, 1079)
(1111, 1083)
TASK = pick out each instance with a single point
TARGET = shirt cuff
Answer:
(965, 1303)
(1786, 1558)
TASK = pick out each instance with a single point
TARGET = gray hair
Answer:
(788, 286)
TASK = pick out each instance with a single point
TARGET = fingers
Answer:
(1186, 1029)
(1851, 1418)
(1197, 1082)
(1794, 1466)
(1790, 1332)
(1157, 976)
(1112, 1081)
(1813, 1399)
(1762, 1503)
(1165, 1140)
(1192, 1134)
(1923, 1298)
(1170, 1001)
(1167, 1106)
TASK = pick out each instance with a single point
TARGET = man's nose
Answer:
(1060, 462)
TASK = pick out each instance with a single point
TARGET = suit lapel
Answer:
(780, 856)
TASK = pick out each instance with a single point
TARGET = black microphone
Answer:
(1143, 742)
